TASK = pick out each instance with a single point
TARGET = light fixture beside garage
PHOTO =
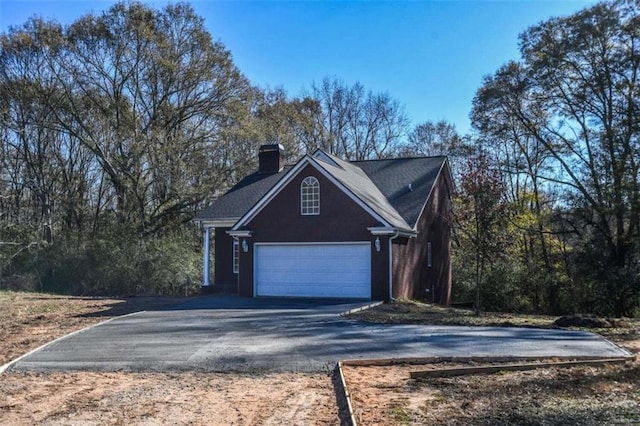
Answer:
(245, 246)
(377, 244)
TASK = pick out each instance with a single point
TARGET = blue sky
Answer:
(429, 55)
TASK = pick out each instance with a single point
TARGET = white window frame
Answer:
(310, 196)
(236, 256)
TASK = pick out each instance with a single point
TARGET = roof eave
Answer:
(224, 222)
(390, 230)
(435, 181)
(370, 209)
(241, 233)
(409, 233)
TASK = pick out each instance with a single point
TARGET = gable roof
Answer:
(313, 162)
(393, 177)
(380, 186)
(357, 181)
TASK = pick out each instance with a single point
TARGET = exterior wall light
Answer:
(377, 244)
(245, 246)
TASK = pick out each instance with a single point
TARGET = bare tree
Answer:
(356, 124)
(574, 97)
(159, 92)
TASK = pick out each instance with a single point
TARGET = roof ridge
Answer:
(425, 157)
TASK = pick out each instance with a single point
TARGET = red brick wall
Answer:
(223, 250)
(412, 278)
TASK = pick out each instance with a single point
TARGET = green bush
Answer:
(122, 263)
(501, 290)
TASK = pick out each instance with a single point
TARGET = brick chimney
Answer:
(271, 158)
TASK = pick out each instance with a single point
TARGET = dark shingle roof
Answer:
(393, 177)
(357, 181)
(242, 196)
(381, 184)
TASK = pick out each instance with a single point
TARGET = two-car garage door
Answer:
(313, 270)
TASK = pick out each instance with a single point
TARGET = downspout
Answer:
(391, 299)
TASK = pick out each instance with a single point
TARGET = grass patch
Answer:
(399, 412)
(6, 295)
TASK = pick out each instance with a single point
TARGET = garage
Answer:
(313, 270)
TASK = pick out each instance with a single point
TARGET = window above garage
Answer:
(310, 196)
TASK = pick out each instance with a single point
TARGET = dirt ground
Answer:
(176, 399)
(550, 396)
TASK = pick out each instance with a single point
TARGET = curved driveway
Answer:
(238, 334)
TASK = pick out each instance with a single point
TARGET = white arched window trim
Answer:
(310, 196)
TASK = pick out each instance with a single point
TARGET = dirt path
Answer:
(180, 399)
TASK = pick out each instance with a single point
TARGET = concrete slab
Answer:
(274, 335)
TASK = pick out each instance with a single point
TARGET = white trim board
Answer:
(216, 223)
(314, 243)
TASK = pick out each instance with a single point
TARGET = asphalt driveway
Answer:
(252, 335)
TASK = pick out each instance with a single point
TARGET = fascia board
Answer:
(424, 206)
(386, 230)
(217, 223)
(381, 230)
(240, 234)
(407, 233)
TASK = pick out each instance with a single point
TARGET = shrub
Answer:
(122, 263)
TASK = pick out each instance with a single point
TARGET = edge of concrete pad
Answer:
(5, 367)
(361, 308)
(627, 354)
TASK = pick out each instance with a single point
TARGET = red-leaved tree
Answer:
(480, 214)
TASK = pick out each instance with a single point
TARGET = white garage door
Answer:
(313, 270)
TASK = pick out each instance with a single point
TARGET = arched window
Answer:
(310, 196)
